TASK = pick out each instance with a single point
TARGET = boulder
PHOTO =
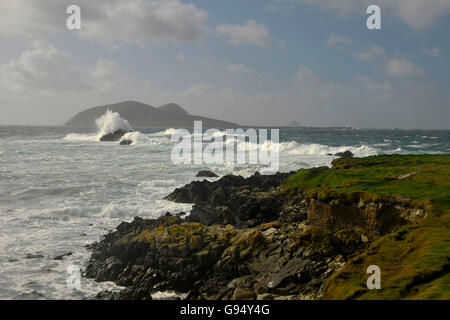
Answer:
(114, 136)
(345, 154)
(125, 142)
(61, 257)
(206, 174)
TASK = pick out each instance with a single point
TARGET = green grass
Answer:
(414, 260)
(379, 176)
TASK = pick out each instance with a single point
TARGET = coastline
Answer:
(291, 236)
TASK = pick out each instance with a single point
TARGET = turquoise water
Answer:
(61, 189)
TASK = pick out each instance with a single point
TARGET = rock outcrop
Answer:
(242, 240)
(206, 174)
(345, 154)
(114, 136)
(282, 237)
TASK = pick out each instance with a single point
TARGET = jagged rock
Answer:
(345, 154)
(206, 174)
(243, 294)
(34, 256)
(114, 136)
(233, 200)
(220, 262)
(125, 142)
(134, 293)
(61, 257)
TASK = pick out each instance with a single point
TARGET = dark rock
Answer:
(125, 142)
(133, 293)
(205, 191)
(206, 174)
(233, 200)
(243, 294)
(345, 154)
(34, 256)
(114, 136)
(244, 239)
(61, 257)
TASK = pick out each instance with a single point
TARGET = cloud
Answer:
(251, 33)
(396, 67)
(434, 52)
(107, 21)
(335, 40)
(28, 96)
(235, 68)
(418, 14)
(43, 67)
(371, 55)
(383, 89)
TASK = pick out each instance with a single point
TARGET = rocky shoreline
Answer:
(246, 238)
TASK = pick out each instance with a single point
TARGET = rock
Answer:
(125, 142)
(61, 257)
(233, 200)
(34, 256)
(243, 294)
(244, 239)
(133, 293)
(207, 174)
(345, 154)
(114, 136)
(265, 296)
(12, 260)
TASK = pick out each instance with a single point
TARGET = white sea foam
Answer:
(136, 137)
(75, 137)
(110, 122)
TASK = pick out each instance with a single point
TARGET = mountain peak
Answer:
(173, 108)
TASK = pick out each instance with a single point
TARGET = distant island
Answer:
(142, 115)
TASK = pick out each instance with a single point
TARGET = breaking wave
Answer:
(110, 122)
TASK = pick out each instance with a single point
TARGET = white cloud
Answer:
(396, 67)
(106, 21)
(237, 68)
(418, 14)
(35, 88)
(434, 52)
(43, 67)
(382, 90)
(371, 55)
(336, 40)
(251, 33)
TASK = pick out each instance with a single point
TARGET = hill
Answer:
(143, 115)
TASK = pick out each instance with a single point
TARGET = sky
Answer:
(254, 62)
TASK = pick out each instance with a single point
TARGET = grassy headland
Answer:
(415, 259)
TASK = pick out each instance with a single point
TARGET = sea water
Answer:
(61, 189)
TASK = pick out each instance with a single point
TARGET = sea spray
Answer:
(110, 122)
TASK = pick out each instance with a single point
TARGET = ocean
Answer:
(61, 189)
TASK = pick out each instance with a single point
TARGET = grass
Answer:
(414, 260)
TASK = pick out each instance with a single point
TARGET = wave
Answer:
(136, 137)
(311, 149)
(80, 137)
(110, 122)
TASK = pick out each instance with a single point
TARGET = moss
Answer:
(344, 242)
(378, 176)
(414, 260)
